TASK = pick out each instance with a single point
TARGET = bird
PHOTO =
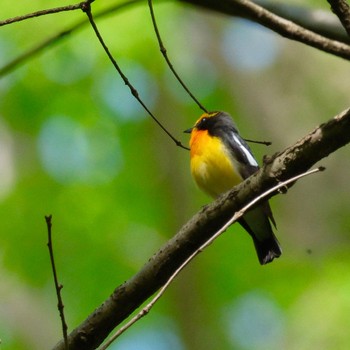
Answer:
(221, 159)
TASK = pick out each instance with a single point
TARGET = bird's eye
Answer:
(202, 122)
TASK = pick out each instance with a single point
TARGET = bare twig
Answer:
(163, 50)
(233, 219)
(40, 13)
(58, 286)
(32, 52)
(87, 9)
(282, 26)
(265, 143)
(342, 9)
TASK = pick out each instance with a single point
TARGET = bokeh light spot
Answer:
(117, 96)
(248, 46)
(70, 153)
(69, 63)
(160, 337)
(7, 169)
(255, 321)
(191, 71)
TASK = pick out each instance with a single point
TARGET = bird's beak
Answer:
(188, 131)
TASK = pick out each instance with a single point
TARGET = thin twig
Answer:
(40, 13)
(58, 286)
(342, 9)
(33, 51)
(87, 9)
(233, 219)
(266, 143)
(163, 50)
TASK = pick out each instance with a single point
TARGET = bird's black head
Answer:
(215, 123)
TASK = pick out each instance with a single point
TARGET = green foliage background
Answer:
(74, 144)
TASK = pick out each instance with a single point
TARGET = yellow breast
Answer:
(212, 166)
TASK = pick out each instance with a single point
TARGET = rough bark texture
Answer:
(342, 9)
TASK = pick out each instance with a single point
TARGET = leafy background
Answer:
(75, 144)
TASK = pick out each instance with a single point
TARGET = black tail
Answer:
(267, 250)
(257, 224)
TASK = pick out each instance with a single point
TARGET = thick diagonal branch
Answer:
(318, 144)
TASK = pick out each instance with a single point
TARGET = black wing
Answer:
(241, 152)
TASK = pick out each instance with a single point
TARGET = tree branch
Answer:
(294, 160)
(250, 10)
(319, 21)
(342, 9)
(237, 215)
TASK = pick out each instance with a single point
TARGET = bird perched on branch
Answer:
(220, 160)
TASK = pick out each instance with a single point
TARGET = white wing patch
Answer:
(249, 156)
